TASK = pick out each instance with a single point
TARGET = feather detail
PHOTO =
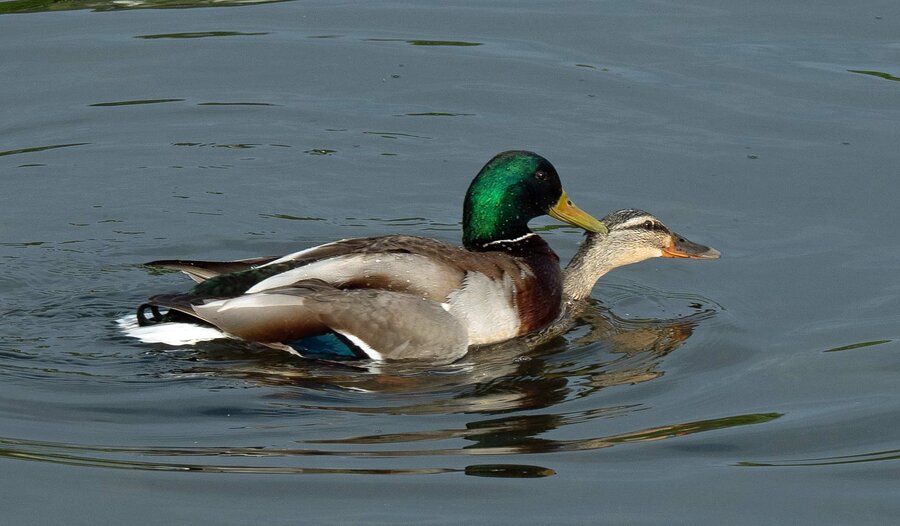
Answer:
(201, 271)
(385, 324)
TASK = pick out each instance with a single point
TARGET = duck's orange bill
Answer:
(683, 248)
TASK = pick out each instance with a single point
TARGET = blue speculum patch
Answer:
(326, 345)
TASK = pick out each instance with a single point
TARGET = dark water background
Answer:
(760, 388)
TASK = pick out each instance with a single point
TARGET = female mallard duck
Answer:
(634, 235)
(401, 297)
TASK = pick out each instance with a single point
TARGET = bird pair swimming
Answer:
(405, 297)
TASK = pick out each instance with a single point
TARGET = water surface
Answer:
(760, 387)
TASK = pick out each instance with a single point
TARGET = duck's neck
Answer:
(496, 239)
(486, 226)
(586, 267)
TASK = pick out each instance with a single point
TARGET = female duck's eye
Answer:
(649, 225)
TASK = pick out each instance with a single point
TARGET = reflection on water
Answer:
(875, 456)
(291, 217)
(135, 102)
(452, 43)
(879, 74)
(199, 34)
(41, 148)
(111, 456)
(857, 345)
(436, 114)
(239, 104)
(395, 135)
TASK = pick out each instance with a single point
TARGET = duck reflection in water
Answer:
(489, 389)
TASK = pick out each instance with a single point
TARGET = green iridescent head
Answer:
(512, 189)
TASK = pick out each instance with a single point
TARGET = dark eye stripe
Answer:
(649, 225)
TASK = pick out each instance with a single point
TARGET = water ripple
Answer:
(875, 456)
(134, 102)
(199, 34)
(37, 6)
(41, 148)
(120, 457)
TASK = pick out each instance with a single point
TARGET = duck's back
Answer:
(502, 292)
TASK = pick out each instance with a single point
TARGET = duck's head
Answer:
(635, 235)
(513, 188)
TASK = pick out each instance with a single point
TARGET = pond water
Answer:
(761, 387)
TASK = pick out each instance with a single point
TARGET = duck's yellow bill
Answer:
(566, 211)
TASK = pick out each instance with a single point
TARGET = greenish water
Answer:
(758, 388)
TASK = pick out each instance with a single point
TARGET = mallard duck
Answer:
(400, 297)
(634, 236)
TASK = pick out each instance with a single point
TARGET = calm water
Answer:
(762, 387)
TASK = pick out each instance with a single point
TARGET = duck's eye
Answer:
(541, 175)
(649, 225)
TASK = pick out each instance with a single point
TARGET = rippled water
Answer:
(758, 388)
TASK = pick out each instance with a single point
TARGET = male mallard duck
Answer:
(400, 297)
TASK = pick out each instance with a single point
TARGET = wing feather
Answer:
(393, 325)
(201, 271)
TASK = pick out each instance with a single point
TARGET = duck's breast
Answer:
(486, 305)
